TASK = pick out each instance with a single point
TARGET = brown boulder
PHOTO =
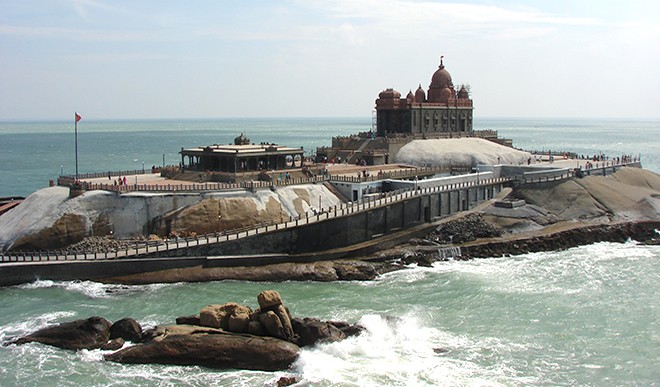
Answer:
(67, 230)
(90, 333)
(285, 319)
(126, 328)
(255, 328)
(238, 322)
(272, 324)
(268, 299)
(208, 347)
(217, 316)
(312, 330)
(188, 320)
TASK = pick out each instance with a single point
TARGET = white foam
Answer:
(96, 290)
(23, 328)
(395, 351)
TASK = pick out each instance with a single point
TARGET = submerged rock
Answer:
(91, 333)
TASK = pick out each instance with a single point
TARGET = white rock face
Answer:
(472, 151)
(128, 215)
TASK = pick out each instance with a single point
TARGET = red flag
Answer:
(78, 118)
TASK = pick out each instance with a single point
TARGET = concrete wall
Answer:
(439, 181)
(356, 191)
(352, 228)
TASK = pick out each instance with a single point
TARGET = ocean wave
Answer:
(93, 289)
(23, 328)
(400, 351)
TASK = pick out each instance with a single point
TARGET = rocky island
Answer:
(424, 186)
(221, 336)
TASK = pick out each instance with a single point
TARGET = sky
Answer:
(211, 59)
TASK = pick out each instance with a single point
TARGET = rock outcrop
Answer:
(91, 333)
(49, 219)
(459, 151)
(127, 329)
(628, 194)
(209, 347)
(217, 338)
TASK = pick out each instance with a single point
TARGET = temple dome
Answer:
(441, 78)
(410, 96)
(389, 93)
(463, 93)
(420, 95)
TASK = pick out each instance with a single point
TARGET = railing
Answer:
(197, 187)
(335, 211)
(70, 179)
(259, 184)
(566, 173)
(411, 172)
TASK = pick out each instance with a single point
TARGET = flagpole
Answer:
(75, 119)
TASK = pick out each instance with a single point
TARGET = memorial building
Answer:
(437, 113)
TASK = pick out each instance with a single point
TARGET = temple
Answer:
(441, 111)
(241, 157)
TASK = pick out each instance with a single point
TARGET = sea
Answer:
(584, 316)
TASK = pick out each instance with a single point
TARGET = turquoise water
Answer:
(584, 316)
(33, 153)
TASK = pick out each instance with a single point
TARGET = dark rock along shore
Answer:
(222, 336)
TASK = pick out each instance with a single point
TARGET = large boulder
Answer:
(238, 322)
(126, 328)
(209, 347)
(272, 325)
(458, 151)
(312, 330)
(217, 316)
(269, 299)
(91, 333)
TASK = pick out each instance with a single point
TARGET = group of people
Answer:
(286, 177)
(120, 180)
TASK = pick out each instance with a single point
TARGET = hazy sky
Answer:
(176, 59)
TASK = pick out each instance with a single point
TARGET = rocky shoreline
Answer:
(423, 251)
(221, 336)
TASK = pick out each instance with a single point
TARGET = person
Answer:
(124, 180)
(109, 178)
